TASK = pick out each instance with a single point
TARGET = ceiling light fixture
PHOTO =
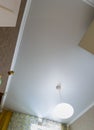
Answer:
(63, 110)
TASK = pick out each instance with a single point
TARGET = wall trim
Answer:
(81, 114)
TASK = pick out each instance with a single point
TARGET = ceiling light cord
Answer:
(58, 87)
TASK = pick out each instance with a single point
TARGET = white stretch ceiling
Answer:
(49, 53)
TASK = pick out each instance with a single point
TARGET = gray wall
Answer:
(8, 39)
(85, 122)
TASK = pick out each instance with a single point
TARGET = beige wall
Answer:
(85, 122)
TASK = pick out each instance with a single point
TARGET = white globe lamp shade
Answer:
(63, 111)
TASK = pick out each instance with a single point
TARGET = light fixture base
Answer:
(58, 86)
